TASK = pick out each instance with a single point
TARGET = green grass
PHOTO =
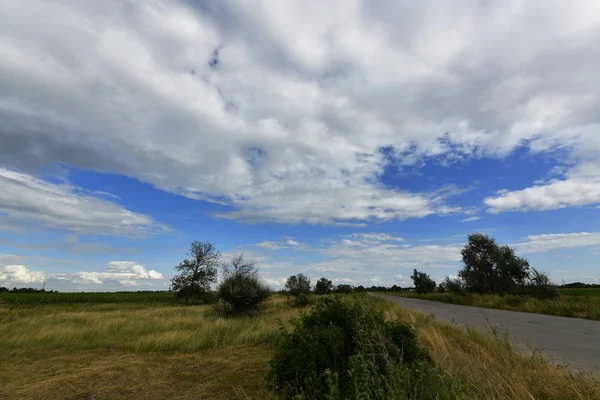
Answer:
(161, 350)
(567, 304)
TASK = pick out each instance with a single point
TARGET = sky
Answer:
(353, 140)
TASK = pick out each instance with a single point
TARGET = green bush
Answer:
(343, 350)
(241, 290)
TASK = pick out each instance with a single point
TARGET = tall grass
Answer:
(161, 350)
(576, 306)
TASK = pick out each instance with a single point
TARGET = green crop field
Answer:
(39, 298)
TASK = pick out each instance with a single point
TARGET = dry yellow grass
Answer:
(146, 351)
(491, 368)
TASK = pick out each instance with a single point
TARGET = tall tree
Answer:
(298, 284)
(490, 268)
(196, 274)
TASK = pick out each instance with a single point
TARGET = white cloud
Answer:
(279, 245)
(240, 104)
(125, 273)
(25, 199)
(557, 194)
(399, 277)
(470, 219)
(20, 274)
(556, 241)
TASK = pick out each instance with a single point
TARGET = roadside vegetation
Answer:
(493, 276)
(242, 342)
(159, 350)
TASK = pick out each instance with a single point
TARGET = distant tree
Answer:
(196, 274)
(323, 286)
(360, 289)
(423, 282)
(343, 289)
(297, 284)
(241, 290)
(4, 289)
(490, 268)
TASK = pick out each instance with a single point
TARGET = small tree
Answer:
(451, 285)
(299, 287)
(489, 268)
(196, 274)
(539, 285)
(323, 286)
(241, 290)
(423, 282)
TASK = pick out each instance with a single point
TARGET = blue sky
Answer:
(352, 140)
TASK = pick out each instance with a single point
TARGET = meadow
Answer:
(576, 303)
(164, 349)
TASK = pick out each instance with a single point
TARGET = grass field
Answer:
(577, 303)
(38, 298)
(157, 350)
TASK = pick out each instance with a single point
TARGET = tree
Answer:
(451, 285)
(490, 268)
(241, 290)
(196, 274)
(343, 289)
(539, 285)
(299, 287)
(323, 286)
(423, 282)
(298, 284)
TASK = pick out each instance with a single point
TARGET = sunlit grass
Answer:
(157, 351)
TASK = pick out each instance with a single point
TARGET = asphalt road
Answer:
(566, 341)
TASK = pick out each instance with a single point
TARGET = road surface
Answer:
(566, 341)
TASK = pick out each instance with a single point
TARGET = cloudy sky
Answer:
(349, 139)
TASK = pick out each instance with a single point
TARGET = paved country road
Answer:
(567, 341)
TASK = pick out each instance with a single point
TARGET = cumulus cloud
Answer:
(25, 199)
(125, 273)
(557, 241)
(241, 104)
(20, 274)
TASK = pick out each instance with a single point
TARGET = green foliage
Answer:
(343, 289)
(451, 285)
(241, 290)
(196, 274)
(490, 268)
(323, 286)
(423, 282)
(299, 301)
(344, 350)
(297, 284)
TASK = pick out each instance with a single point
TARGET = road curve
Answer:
(567, 341)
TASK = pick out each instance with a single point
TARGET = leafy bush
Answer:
(241, 290)
(423, 282)
(343, 350)
(452, 285)
(300, 301)
(539, 285)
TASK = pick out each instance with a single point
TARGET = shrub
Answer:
(241, 290)
(452, 285)
(539, 285)
(344, 350)
(300, 301)
(423, 282)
